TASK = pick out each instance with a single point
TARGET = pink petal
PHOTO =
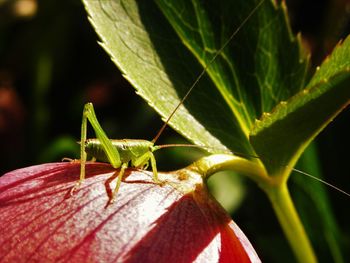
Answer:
(41, 222)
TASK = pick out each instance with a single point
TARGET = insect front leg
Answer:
(111, 152)
(144, 159)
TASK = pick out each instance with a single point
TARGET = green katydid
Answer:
(117, 152)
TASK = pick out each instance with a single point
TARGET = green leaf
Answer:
(153, 59)
(284, 134)
(249, 77)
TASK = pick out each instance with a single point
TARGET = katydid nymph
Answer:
(117, 152)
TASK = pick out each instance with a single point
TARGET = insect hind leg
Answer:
(111, 153)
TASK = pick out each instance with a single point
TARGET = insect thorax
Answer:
(128, 149)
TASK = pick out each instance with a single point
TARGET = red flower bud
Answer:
(41, 222)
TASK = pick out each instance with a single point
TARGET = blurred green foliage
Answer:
(51, 64)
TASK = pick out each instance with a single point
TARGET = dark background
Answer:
(51, 64)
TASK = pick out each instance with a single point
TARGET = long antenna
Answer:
(321, 181)
(205, 69)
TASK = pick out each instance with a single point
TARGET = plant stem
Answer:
(276, 189)
(290, 222)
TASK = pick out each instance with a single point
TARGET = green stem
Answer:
(277, 191)
(290, 222)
